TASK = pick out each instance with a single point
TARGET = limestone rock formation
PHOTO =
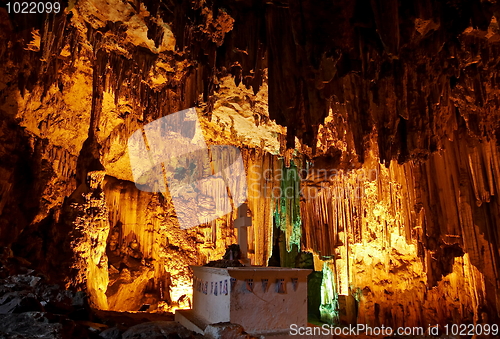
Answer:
(369, 131)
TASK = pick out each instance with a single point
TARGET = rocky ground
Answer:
(31, 307)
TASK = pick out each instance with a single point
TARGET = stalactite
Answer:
(89, 245)
(434, 217)
(329, 308)
(418, 95)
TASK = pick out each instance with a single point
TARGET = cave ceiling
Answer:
(404, 74)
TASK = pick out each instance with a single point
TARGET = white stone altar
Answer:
(264, 300)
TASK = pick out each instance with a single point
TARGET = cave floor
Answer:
(124, 320)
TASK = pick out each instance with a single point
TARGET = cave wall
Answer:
(404, 110)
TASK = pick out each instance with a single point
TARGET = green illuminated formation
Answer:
(329, 308)
(287, 213)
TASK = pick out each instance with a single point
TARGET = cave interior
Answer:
(366, 134)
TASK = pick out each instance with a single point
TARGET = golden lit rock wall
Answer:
(75, 86)
(414, 243)
(147, 240)
(263, 177)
